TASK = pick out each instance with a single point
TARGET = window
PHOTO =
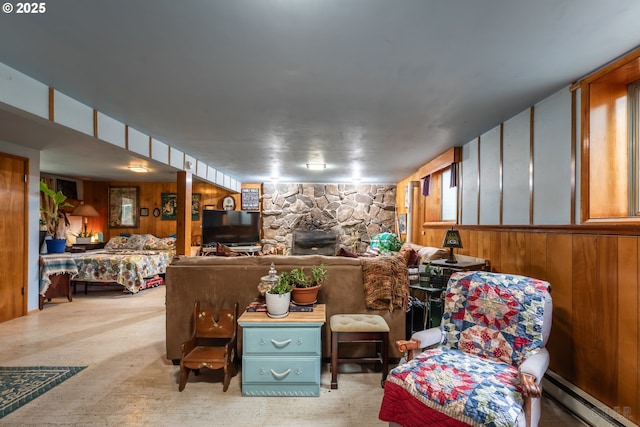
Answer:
(440, 202)
(610, 157)
(449, 198)
(634, 148)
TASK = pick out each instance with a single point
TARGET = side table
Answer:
(281, 357)
(56, 271)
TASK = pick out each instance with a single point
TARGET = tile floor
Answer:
(128, 381)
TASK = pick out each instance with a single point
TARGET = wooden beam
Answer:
(443, 161)
(183, 218)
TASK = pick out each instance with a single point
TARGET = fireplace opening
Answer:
(314, 242)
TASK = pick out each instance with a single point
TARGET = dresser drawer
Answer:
(281, 341)
(280, 370)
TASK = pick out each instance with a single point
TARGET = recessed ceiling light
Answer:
(316, 166)
(138, 168)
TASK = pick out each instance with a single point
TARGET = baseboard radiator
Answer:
(587, 408)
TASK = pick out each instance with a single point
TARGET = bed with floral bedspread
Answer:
(127, 261)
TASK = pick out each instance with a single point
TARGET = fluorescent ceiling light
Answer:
(138, 168)
(316, 166)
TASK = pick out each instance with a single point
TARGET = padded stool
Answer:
(359, 328)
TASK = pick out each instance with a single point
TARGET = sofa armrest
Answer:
(531, 372)
(428, 337)
(419, 340)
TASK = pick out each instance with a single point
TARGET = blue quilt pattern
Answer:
(491, 322)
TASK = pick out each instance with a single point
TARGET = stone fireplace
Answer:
(314, 242)
(322, 217)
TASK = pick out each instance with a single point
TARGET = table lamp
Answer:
(85, 211)
(452, 240)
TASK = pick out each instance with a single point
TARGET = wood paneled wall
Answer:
(595, 337)
(149, 196)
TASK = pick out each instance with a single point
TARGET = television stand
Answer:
(247, 250)
(244, 250)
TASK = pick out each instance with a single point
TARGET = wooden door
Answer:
(13, 236)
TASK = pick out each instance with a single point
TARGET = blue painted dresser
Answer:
(281, 357)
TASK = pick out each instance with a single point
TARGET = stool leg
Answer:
(334, 360)
(385, 357)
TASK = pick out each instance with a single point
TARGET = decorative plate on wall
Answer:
(228, 203)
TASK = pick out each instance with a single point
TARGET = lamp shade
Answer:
(452, 239)
(85, 210)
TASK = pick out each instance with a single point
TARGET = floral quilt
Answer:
(491, 323)
(127, 268)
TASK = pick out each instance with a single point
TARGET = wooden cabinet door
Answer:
(13, 237)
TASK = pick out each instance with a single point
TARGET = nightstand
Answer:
(83, 247)
(281, 357)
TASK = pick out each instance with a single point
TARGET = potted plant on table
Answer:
(306, 287)
(55, 219)
(278, 297)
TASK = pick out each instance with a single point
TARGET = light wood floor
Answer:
(121, 339)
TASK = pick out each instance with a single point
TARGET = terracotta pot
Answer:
(306, 295)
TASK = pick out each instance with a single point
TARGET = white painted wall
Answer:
(515, 170)
(551, 169)
(490, 177)
(552, 160)
(469, 183)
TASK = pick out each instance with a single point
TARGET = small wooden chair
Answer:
(213, 344)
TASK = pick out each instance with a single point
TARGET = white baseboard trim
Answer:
(587, 408)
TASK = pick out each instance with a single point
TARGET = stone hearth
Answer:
(354, 213)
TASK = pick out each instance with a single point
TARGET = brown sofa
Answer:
(222, 281)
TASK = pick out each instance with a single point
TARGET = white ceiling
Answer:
(257, 88)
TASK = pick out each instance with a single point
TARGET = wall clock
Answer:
(229, 203)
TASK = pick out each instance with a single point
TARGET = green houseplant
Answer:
(278, 297)
(306, 287)
(55, 219)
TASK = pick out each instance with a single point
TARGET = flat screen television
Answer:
(232, 228)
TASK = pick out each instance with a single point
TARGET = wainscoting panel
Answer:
(595, 338)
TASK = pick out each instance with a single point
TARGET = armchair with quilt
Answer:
(484, 364)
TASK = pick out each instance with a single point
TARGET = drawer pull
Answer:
(280, 343)
(282, 375)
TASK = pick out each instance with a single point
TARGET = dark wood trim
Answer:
(584, 153)
(150, 148)
(126, 136)
(95, 123)
(51, 104)
(478, 181)
(611, 66)
(604, 229)
(572, 219)
(531, 147)
(443, 161)
(501, 169)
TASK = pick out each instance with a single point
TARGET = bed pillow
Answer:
(118, 242)
(164, 244)
(137, 241)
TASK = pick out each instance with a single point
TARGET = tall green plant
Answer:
(56, 220)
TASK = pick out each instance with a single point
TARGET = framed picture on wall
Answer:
(195, 206)
(170, 206)
(402, 224)
(123, 207)
(144, 211)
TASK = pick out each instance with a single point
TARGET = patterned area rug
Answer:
(21, 384)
